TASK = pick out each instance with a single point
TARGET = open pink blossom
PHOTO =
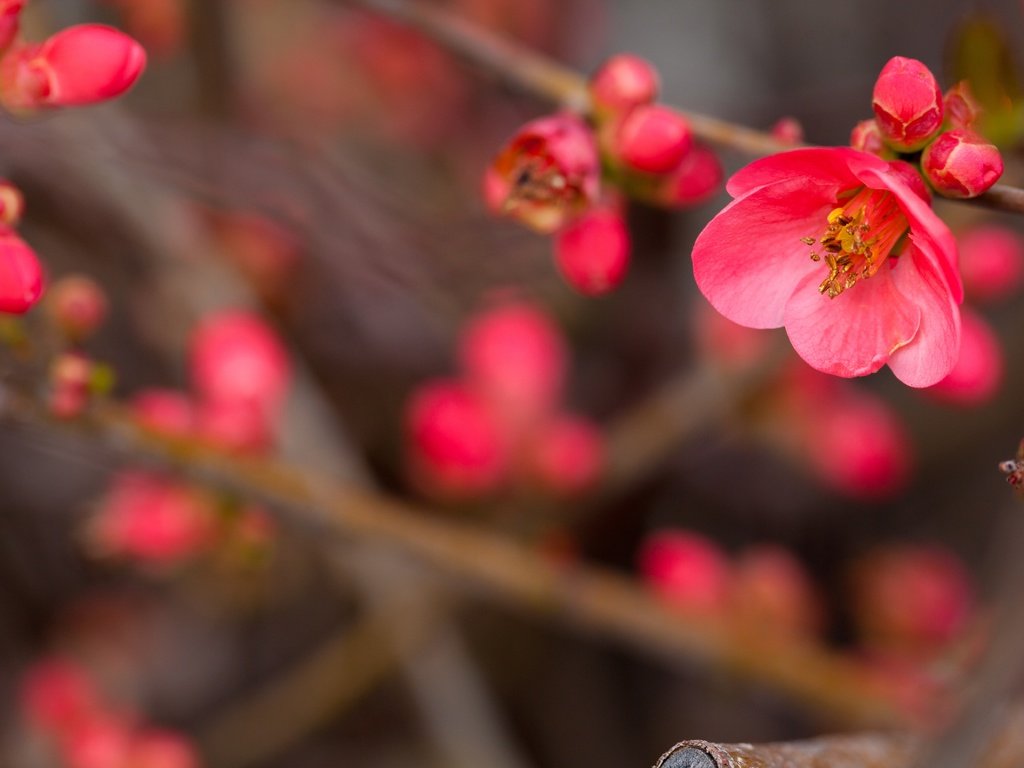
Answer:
(836, 246)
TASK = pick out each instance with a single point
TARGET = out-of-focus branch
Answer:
(548, 79)
(478, 561)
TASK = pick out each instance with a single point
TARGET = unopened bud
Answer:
(568, 456)
(907, 104)
(592, 253)
(12, 203)
(21, 276)
(10, 21)
(788, 130)
(991, 262)
(77, 305)
(697, 178)
(867, 137)
(962, 109)
(623, 82)
(960, 163)
(653, 139)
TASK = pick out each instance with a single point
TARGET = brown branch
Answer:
(544, 77)
(595, 599)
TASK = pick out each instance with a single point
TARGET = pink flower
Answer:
(835, 245)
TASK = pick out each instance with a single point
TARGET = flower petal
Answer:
(817, 165)
(855, 333)
(936, 347)
(749, 258)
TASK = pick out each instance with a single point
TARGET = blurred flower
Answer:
(77, 305)
(686, 569)
(978, 372)
(593, 251)
(788, 130)
(623, 82)
(773, 594)
(991, 262)
(567, 455)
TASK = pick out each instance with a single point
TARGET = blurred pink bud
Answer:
(148, 517)
(623, 82)
(962, 109)
(235, 425)
(867, 137)
(21, 276)
(857, 445)
(165, 411)
(101, 742)
(70, 376)
(732, 346)
(84, 64)
(261, 247)
(907, 103)
(697, 178)
(235, 357)
(960, 163)
(788, 130)
(10, 21)
(549, 172)
(454, 444)
(57, 695)
(592, 252)
(568, 455)
(912, 178)
(77, 306)
(153, 748)
(653, 139)
(978, 372)
(514, 357)
(771, 592)
(686, 569)
(914, 598)
(12, 203)
(991, 262)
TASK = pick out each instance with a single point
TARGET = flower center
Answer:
(858, 238)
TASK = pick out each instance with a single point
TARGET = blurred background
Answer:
(319, 166)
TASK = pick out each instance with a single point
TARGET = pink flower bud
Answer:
(991, 262)
(867, 137)
(914, 598)
(21, 276)
(653, 139)
(12, 203)
(454, 443)
(70, 376)
(962, 109)
(568, 455)
(858, 445)
(788, 130)
(244, 426)
(907, 103)
(515, 359)
(592, 253)
(154, 748)
(235, 357)
(549, 172)
(771, 592)
(623, 82)
(978, 372)
(152, 519)
(10, 21)
(77, 306)
(960, 163)
(57, 695)
(165, 411)
(102, 742)
(84, 64)
(697, 178)
(687, 570)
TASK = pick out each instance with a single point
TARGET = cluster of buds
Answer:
(566, 176)
(240, 374)
(764, 588)
(912, 116)
(501, 423)
(62, 704)
(77, 307)
(83, 64)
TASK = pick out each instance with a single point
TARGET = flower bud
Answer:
(568, 456)
(907, 104)
(455, 445)
(84, 64)
(991, 262)
(960, 163)
(77, 305)
(978, 372)
(100, 742)
(154, 748)
(70, 377)
(12, 203)
(788, 130)
(652, 139)
(623, 82)
(165, 411)
(244, 426)
(697, 178)
(592, 253)
(867, 137)
(687, 570)
(21, 276)
(962, 109)
(548, 173)
(10, 21)
(771, 592)
(57, 695)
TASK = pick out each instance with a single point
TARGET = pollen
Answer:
(858, 237)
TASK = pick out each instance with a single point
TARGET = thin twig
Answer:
(544, 77)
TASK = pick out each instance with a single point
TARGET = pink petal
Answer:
(818, 165)
(936, 347)
(855, 333)
(750, 257)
